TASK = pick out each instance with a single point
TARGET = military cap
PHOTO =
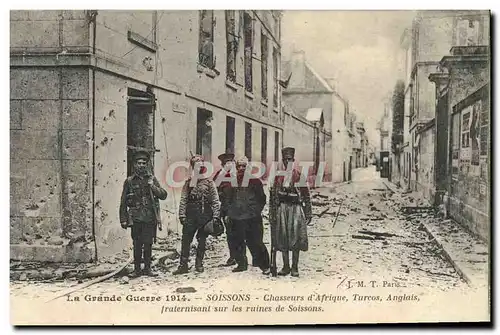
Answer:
(226, 157)
(288, 151)
(196, 159)
(142, 154)
(242, 161)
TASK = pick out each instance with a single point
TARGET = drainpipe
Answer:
(93, 20)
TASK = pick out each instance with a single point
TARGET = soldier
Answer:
(139, 208)
(199, 204)
(245, 205)
(227, 161)
(290, 212)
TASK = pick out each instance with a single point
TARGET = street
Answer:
(370, 239)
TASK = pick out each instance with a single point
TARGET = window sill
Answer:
(249, 95)
(141, 41)
(231, 84)
(264, 103)
(203, 69)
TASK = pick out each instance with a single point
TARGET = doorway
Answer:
(204, 134)
(140, 125)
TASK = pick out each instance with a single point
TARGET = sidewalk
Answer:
(468, 254)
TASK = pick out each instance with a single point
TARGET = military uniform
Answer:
(290, 211)
(139, 208)
(245, 205)
(222, 190)
(198, 205)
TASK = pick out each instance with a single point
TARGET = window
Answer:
(275, 77)
(263, 146)
(263, 65)
(230, 126)
(248, 40)
(465, 130)
(484, 131)
(467, 31)
(204, 133)
(232, 45)
(455, 145)
(276, 146)
(248, 140)
(206, 40)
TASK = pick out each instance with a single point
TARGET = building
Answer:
(446, 55)
(309, 90)
(463, 113)
(384, 127)
(87, 87)
(432, 35)
(362, 139)
(398, 136)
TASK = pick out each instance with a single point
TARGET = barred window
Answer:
(231, 45)
(264, 55)
(248, 37)
(206, 39)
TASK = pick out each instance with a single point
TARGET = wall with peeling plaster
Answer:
(79, 155)
(50, 167)
(426, 182)
(470, 195)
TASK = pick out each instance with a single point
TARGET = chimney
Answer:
(298, 68)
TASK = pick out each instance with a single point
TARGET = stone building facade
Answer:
(432, 35)
(447, 101)
(306, 90)
(87, 87)
(464, 114)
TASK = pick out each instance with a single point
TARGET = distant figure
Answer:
(290, 212)
(199, 204)
(139, 209)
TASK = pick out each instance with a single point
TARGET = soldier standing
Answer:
(199, 204)
(290, 212)
(227, 162)
(245, 205)
(139, 209)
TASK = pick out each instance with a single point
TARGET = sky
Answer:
(359, 49)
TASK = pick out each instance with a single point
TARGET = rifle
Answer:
(274, 271)
(155, 209)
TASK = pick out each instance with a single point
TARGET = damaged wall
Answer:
(470, 184)
(55, 205)
(50, 168)
(50, 116)
(426, 182)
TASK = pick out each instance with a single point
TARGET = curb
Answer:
(447, 255)
(437, 239)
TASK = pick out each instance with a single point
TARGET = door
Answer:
(204, 134)
(140, 125)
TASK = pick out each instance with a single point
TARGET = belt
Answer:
(289, 199)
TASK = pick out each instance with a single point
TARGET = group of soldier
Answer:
(239, 206)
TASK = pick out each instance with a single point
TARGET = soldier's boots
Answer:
(295, 264)
(148, 272)
(198, 265)
(241, 268)
(183, 268)
(230, 262)
(136, 273)
(285, 271)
